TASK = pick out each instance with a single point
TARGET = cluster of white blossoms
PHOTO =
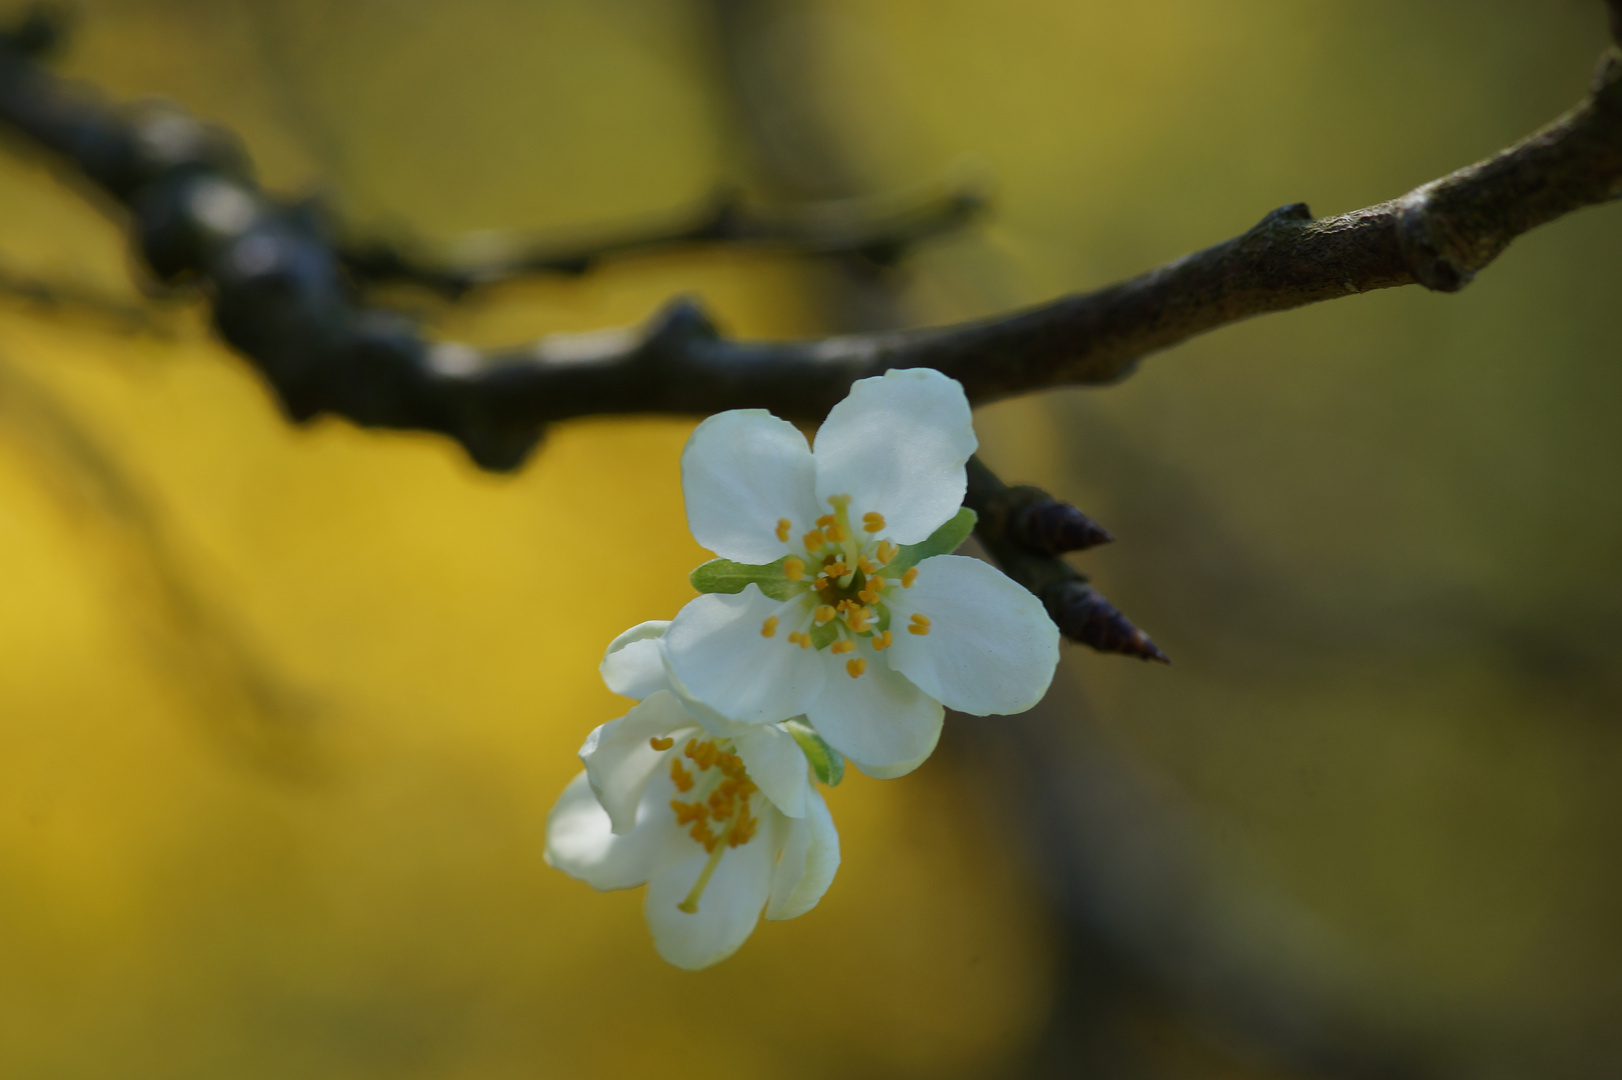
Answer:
(835, 624)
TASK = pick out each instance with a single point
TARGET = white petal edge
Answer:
(581, 843)
(884, 724)
(809, 861)
(777, 765)
(633, 665)
(897, 445)
(741, 473)
(619, 759)
(717, 653)
(991, 647)
(727, 912)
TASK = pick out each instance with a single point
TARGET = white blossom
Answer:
(849, 616)
(719, 820)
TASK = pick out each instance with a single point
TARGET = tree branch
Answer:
(282, 297)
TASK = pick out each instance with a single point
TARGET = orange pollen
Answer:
(909, 577)
(813, 540)
(661, 744)
(769, 627)
(800, 638)
(867, 566)
(858, 617)
(870, 595)
(843, 646)
(836, 569)
(886, 551)
(835, 532)
(825, 520)
(883, 641)
(920, 626)
(783, 527)
(872, 522)
(793, 569)
(856, 667)
(824, 614)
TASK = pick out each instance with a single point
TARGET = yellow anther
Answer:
(858, 617)
(871, 594)
(680, 776)
(662, 744)
(909, 577)
(856, 667)
(883, 641)
(886, 551)
(872, 522)
(793, 569)
(769, 627)
(835, 533)
(836, 569)
(803, 640)
(824, 521)
(920, 626)
(813, 541)
(783, 527)
(824, 614)
(843, 646)
(866, 565)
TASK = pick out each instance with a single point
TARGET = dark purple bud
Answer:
(1051, 527)
(1084, 615)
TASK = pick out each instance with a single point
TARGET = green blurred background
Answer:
(282, 711)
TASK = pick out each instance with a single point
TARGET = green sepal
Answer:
(726, 576)
(943, 541)
(824, 635)
(826, 762)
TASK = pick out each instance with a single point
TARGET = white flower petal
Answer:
(809, 861)
(742, 472)
(580, 842)
(717, 653)
(633, 665)
(991, 648)
(619, 759)
(727, 912)
(898, 445)
(777, 765)
(879, 720)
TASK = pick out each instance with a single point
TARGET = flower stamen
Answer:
(920, 625)
(661, 744)
(769, 627)
(856, 667)
(872, 521)
(793, 569)
(813, 541)
(824, 614)
(842, 646)
(909, 577)
(882, 641)
(783, 527)
(800, 638)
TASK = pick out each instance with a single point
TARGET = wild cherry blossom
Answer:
(719, 820)
(834, 596)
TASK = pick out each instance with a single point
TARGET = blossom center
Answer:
(845, 598)
(721, 814)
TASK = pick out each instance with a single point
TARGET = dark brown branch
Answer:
(282, 298)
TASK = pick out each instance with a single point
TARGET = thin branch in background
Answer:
(854, 229)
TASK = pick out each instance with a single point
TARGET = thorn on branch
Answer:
(1083, 614)
(1050, 527)
(1024, 530)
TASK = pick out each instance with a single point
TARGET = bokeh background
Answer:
(282, 711)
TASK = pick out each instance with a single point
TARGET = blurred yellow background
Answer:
(282, 711)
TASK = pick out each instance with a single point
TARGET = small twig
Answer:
(851, 228)
(1025, 530)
